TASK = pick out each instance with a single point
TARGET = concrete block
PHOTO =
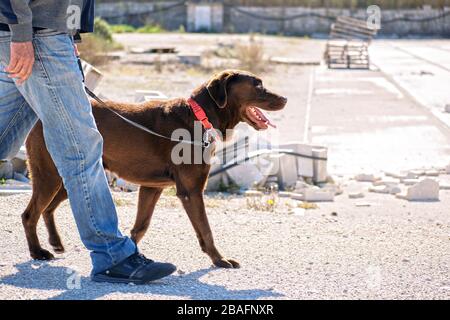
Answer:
(22, 154)
(20, 177)
(19, 165)
(288, 174)
(246, 175)
(427, 189)
(320, 166)
(305, 165)
(214, 183)
(92, 75)
(6, 169)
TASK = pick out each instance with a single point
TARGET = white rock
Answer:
(364, 177)
(408, 175)
(253, 193)
(335, 188)
(356, 195)
(410, 182)
(380, 189)
(299, 212)
(301, 185)
(444, 185)
(314, 195)
(363, 204)
(418, 172)
(387, 181)
(427, 189)
(284, 194)
(432, 173)
(391, 189)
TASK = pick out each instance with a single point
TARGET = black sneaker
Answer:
(135, 269)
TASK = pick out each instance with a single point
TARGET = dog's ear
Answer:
(217, 88)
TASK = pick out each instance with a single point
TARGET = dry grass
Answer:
(266, 203)
(251, 55)
(95, 49)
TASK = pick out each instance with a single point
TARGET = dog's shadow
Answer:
(44, 276)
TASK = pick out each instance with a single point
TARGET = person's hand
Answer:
(75, 47)
(21, 61)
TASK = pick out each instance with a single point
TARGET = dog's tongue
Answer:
(261, 117)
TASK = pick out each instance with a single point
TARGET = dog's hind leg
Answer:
(53, 235)
(148, 197)
(30, 217)
(46, 183)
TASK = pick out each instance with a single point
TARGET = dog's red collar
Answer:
(200, 113)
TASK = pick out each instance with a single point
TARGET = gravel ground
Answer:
(390, 250)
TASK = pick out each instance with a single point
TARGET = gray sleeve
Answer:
(23, 30)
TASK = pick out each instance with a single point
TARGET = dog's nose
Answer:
(284, 99)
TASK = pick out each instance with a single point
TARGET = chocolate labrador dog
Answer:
(135, 155)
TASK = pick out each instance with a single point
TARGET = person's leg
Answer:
(16, 116)
(56, 93)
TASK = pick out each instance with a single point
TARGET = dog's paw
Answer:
(58, 248)
(227, 263)
(42, 254)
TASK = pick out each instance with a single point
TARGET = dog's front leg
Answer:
(195, 208)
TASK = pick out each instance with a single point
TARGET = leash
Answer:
(208, 136)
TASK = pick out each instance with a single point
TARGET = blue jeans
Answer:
(55, 94)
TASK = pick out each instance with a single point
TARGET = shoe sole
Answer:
(103, 278)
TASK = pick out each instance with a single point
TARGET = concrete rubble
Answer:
(425, 190)
(283, 164)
